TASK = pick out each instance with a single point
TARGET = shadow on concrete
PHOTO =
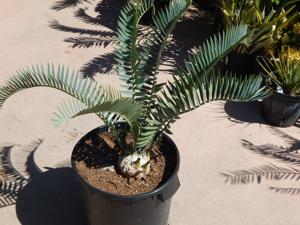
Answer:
(101, 64)
(195, 27)
(12, 181)
(108, 12)
(41, 198)
(50, 198)
(270, 171)
(244, 112)
(289, 154)
(86, 18)
(183, 40)
(107, 15)
(54, 24)
(63, 4)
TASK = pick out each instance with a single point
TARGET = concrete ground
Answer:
(235, 169)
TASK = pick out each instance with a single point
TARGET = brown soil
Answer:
(2, 173)
(93, 157)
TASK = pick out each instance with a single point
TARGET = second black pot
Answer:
(281, 110)
(152, 208)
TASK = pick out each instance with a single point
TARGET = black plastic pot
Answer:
(281, 110)
(152, 208)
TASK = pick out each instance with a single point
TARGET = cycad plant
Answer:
(147, 107)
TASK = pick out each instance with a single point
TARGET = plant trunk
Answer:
(136, 164)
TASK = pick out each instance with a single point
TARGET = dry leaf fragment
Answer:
(108, 139)
(129, 139)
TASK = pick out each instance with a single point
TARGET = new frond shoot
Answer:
(138, 114)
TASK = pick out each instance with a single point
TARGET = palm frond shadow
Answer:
(290, 191)
(287, 154)
(83, 16)
(256, 175)
(91, 38)
(87, 42)
(104, 63)
(108, 12)
(63, 4)
(181, 43)
(11, 180)
(293, 142)
(54, 24)
(101, 64)
(271, 172)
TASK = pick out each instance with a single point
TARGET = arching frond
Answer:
(194, 87)
(213, 50)
(127, 34)
(126, 108)
(88, 92)
(188, 93)
(184, 95)
(67, 110)
(196, 84)
(151, 52)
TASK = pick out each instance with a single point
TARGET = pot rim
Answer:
(156, 191)
(286, 97)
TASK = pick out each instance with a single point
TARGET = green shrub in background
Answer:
(266, 19)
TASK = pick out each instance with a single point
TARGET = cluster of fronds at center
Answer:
(148, 107)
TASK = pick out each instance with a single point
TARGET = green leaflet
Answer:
(151, 52)
(126, 52)
(87, 92)
(126, 108)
